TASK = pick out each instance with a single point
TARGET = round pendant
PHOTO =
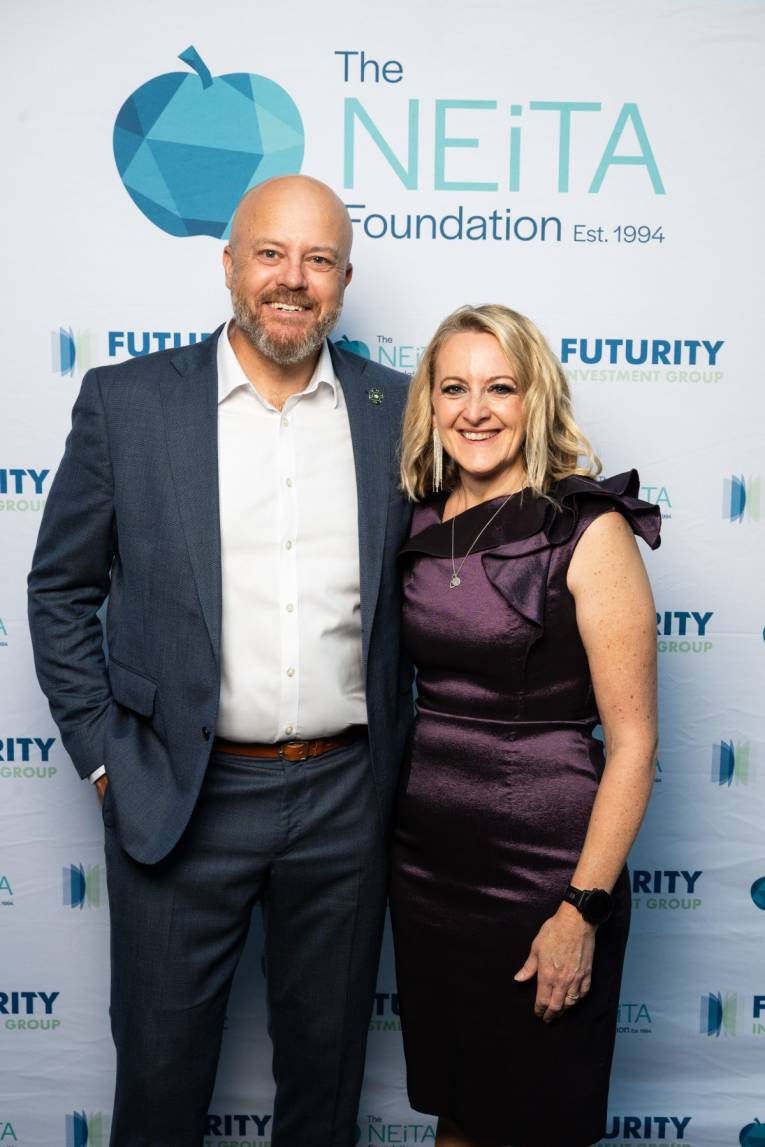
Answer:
(455, 581)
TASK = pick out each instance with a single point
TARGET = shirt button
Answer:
(290, 607)
(285, 422)
(289, 481)
(288, 545)
(291, 671)
(289, 730)
(206, 733)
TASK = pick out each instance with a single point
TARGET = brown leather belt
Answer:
(286, 750)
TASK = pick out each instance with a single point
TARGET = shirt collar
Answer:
(231, 376)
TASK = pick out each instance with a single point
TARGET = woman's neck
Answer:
(471, 493)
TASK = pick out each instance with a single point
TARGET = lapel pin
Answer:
(375, 396)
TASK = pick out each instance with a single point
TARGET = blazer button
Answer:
(206, 733)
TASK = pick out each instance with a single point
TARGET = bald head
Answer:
(287, 266)
(313, 203)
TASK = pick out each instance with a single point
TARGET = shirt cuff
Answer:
(97, 773)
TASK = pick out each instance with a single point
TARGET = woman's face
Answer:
(478, 410)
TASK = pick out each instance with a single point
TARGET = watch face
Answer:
(597, 906)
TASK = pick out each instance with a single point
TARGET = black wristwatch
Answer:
(594, 904)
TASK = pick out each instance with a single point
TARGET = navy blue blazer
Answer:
(132, 516)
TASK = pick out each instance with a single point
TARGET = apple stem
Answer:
(192, 57)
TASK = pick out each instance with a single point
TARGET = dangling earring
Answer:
(438, 461)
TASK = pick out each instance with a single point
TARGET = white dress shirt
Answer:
(291, 661)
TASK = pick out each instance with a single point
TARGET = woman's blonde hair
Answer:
(554, 446)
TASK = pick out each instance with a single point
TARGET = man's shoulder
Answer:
(145, 370)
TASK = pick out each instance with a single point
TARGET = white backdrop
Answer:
(598, 166)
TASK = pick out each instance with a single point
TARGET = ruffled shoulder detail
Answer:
(580, 500)
(519, 519)
(516, 547)
(526, 524)
(586, 498)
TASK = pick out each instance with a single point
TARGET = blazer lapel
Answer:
(190, 406)
(372, 437)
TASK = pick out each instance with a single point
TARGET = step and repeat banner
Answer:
(598, 166)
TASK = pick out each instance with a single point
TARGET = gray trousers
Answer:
(305, 840)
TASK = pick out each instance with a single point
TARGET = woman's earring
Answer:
(438, 461)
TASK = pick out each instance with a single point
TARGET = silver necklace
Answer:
(455, 579)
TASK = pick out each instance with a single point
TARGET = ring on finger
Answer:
(572, 997)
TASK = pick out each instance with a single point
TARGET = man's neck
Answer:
(272, 381)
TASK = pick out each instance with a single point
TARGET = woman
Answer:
(530, 619)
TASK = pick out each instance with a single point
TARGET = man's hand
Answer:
(100, 787)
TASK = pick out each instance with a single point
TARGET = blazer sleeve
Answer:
(69, 582)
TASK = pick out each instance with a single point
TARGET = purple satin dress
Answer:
(492, 815)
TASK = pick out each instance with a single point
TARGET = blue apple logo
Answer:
(753, 1135)
(355, 346)
(758, 892)
(188, 146)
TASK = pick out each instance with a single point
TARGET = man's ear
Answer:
(228, 264)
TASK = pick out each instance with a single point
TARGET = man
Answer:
(238, 503)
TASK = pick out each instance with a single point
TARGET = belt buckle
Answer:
(299, 748)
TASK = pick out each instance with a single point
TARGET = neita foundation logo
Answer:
(374, 1130)
(188, 145)
(758, 893)
(6, 895)
(633, 1017)
(354, 346)
(659, 495)
(753, 1135)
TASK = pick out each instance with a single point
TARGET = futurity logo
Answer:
(69, 351)
(741, 498)
(73, 352)
(82, 886)
(724, 1013)
(86, 1130)
(732, 763)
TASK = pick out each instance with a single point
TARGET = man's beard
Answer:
(286, 350)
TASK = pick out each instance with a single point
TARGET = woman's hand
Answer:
(561, 959)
